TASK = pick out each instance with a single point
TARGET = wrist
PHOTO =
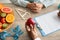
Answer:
(37, 38)
(28, 5)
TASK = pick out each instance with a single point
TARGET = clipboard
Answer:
(48, 23)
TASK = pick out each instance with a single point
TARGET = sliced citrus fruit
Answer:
(10, 18)
(6, 10)
(1, 5)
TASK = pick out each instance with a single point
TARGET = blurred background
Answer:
(8, 1)
(5, 1)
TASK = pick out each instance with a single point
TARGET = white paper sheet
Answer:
(49, 22)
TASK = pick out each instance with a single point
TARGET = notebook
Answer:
(48, 23)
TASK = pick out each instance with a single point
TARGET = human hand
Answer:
(30, 5)
(31, 31)
(35, 7)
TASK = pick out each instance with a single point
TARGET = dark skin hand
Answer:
(31, 31)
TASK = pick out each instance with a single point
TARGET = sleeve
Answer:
(37, 39)
(22, 3)
(37, 1)
(47, 3)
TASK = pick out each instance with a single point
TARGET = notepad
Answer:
(48, 22)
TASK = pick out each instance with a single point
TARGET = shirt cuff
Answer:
(37, 39)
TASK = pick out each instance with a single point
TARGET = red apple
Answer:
(0, 25)
(30, 21)
(0, 18)
(3, 20)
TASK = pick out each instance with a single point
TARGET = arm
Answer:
(22, 3)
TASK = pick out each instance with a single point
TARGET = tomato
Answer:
(3, 20)
(0, 25)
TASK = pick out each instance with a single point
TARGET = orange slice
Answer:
(6, 10)
(1, 5)
(10, 18)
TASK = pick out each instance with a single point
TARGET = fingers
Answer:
(33, 6)
(29, 28)
(26, 26)
(32, 27)
(39, 5)
(36, 11)
(36, 6)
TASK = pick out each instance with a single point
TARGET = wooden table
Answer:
(19, 21)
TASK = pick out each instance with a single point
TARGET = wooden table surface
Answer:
(19, 21)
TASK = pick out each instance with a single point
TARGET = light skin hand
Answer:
(31, 31)
(35, 7)
(38, 8)
(30, 6)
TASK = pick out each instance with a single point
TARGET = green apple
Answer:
(4, 25)
(3, 14)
